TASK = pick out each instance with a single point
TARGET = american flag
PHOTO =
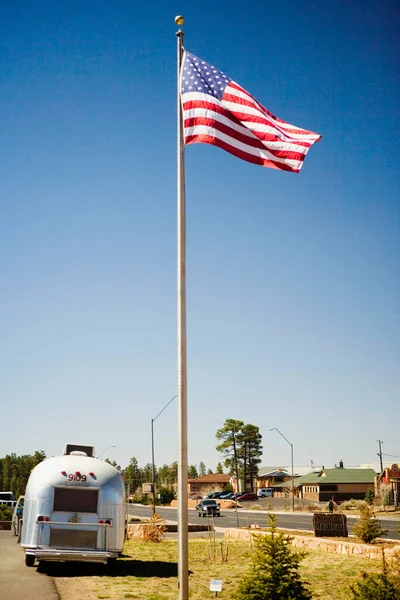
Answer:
(217, 111)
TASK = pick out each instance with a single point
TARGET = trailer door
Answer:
(74, 520)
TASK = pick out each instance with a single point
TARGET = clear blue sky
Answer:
(293, 280)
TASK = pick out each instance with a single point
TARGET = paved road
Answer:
(301, 521)
(18, 582)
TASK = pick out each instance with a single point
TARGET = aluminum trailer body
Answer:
(74, 509)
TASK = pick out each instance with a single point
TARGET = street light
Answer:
(153, 471)
(110, 446)
(291, 456)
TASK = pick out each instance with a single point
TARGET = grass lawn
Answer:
(149, 571)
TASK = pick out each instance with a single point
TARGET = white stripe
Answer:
(245, 130)
(208, 113)
(199, 96)
(233, 107)
(278, 130)
(246, 96)
(210, 131)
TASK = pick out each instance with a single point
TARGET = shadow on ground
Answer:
(122, 568)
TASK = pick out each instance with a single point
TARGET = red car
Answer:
(246, 496)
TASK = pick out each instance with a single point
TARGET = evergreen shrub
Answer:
(274, 572)
(368, 528)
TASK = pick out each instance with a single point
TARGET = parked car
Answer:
(225, 495)
(246, 496)
(8, 499)
(236, 496)
(208, 507)
(213, 495)
(264, 492)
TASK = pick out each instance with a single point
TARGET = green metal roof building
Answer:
(339, 483)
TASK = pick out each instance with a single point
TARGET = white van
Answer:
(264, 492)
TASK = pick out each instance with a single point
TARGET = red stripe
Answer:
(238, 87)
(235, 118)
(257, 160)
(252, 103)
(219, 109)
(249, 141)
(245, 116)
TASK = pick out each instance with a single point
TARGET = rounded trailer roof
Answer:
(54, 472)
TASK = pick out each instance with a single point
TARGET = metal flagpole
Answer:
(183, 546)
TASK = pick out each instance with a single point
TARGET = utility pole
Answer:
(153, 467)
(380, 453)
(291, 460)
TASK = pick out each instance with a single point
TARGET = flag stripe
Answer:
(192, 125)
(237, 91)
(222, 121)
(218, 111)
(233, 142)
(202, 104)
(257, 160)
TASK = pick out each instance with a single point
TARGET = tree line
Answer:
(15, 471)
(239, 444)
(165, 476)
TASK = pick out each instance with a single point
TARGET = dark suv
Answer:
(208, 507)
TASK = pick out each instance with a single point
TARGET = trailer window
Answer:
(75, 500)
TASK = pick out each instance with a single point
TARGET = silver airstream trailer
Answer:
(74, 509)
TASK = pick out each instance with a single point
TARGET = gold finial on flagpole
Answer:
(179, 20)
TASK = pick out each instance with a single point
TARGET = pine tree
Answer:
(274, 573)
(228, 437)
(192, 472)
(381, 586)
(241, 446)
(368, 528)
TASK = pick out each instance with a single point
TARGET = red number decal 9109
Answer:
(76, 477)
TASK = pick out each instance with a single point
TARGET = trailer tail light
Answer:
(92, 475)
(64, 473)
(105, 521)
(78, 473)
(43, 519)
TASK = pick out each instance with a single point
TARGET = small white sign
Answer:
(215, 585)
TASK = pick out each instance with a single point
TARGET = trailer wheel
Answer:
(29, 560)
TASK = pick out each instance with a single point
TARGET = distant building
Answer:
(387, 485)
(272, 476)
(205, 484)
(339, 483)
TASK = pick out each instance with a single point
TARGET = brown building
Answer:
(205, 484)
(271, 476)
(387, 485)
(339, 483)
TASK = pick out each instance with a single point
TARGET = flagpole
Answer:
(183, 546)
